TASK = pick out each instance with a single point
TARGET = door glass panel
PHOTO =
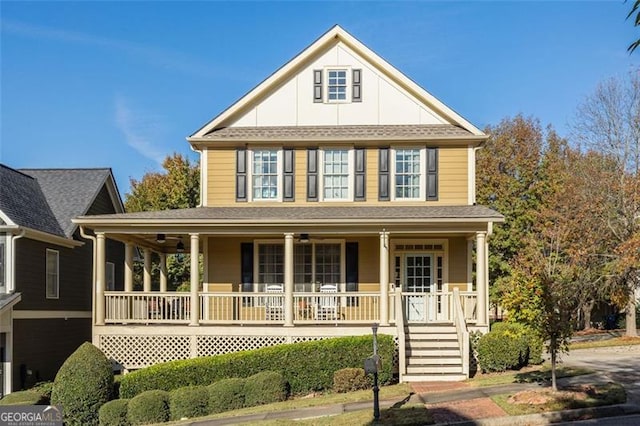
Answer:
(418, 273)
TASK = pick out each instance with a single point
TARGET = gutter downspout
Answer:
(202, 165)
(93, 273)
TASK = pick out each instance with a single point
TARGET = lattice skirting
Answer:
(134, 351)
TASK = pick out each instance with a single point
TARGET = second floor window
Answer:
(265, 175)
(407, 164)
(335, 174)
(337, 85)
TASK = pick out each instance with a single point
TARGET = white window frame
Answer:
(312, 243)
(110, 276)
(3, 264)
(250, 175)
(347, 87)
(350, 173)
(55, 275)
(422, 196)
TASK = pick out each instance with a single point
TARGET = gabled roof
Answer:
(71, 192)
(24, 203)
(46, 200)
(330, 38)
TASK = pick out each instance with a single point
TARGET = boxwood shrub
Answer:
(149, 407)
(189, 401)
(265, 388)
(114, 413)
(508, 346)
(350, 379)
(25, 397)
(306, 366)
(226, 395)
(82, 385)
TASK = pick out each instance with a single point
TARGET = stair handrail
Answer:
(461, 329)
(402, 358)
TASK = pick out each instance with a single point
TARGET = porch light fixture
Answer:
(304, 238)
(160, 238)
(180, 246)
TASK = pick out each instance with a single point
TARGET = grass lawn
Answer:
(616, 341)
(532, 374)
(543, 400)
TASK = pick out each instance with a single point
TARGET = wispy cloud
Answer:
(163, 58)
(140, 129)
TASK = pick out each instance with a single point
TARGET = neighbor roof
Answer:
(24, 202)
(350, 132)
(70, 192)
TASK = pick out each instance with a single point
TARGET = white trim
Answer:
(32, 314)
(4, 257)
(204, 185)
(350, 171)
(51, 239)
(423, 173)
(333, 36)
(6, 219)
(279, 179)
(432, 241)
(471, 175)
(57, 272)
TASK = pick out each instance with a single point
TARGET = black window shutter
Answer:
(383, 174)
(312, 174)
(288, 174)
(432, 174)
(241, 175)
(351, 260)
(356, 85)
(317, 85)
(246, 262)
(360, 187)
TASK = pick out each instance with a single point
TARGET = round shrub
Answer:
(264, 388)
(26, 397)
(114, 413)
(189, 401)
(505, 347)
(226, 395)
(82, 385)
(149, 407)
(350, 379)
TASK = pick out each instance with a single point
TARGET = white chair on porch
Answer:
(327, 306)
(274, 303)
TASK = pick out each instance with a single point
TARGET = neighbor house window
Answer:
(52, 274)
(335, 174)
(110, 276)
(337, 85)
(265, 174)
(408, 173)
(2, 267)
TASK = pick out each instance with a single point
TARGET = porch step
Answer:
(433, 360)
(449, 377)
(436, 369)
(430, 329)
(432, 352)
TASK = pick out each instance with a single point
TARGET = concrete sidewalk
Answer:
(451, 403)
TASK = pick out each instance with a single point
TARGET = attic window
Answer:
(336, 85)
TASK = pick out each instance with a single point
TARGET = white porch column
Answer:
(128, 267)
(146, 281)
(100, 277)
(163, 272)
(384, 278)
(481, 277)
(288, 280)
(195, 279)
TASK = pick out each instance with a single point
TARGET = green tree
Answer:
(635, 10)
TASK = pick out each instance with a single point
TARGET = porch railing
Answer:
(437, 307)
(139, 307)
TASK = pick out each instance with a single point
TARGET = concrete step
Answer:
(411, 352)
(449, 377)
(415, 370)
(418, 361)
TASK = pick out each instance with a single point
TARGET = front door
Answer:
(418, 279)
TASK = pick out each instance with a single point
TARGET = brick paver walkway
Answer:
(430, 387)
(471, 409)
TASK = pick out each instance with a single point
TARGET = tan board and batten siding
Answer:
(452, 179)
(224, 263)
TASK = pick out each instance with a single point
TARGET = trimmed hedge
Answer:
(114, 413)
(82, 385)
(264, 388)
(190, 401)
(350, 379)
(508, 346)
(25, 397)
(149, 407)
(226, 395)
(306, 366)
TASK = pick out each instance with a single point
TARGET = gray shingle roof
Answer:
(69, 192)
(22, 199)
(290, 213)
(353, 132)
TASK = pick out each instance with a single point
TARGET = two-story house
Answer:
(335, 194)
(46, 267)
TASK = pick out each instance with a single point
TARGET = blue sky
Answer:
(121, 84)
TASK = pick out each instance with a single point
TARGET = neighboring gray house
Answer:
(46, 270)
